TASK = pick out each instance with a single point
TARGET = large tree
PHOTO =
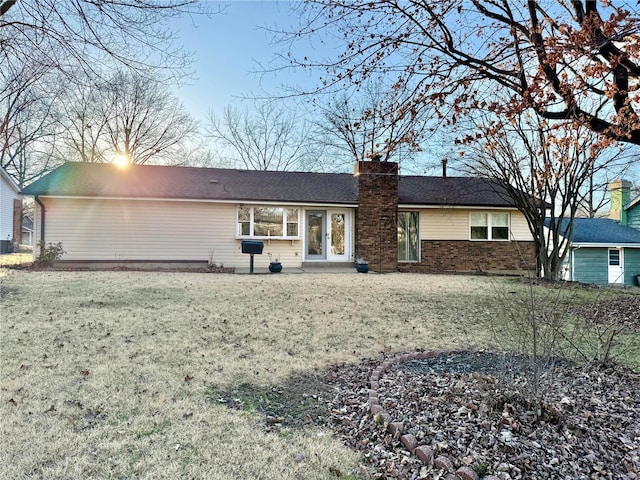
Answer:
(28, 124)
(546, 169)
(268, 138)
(574, 61)
(369, 121)
(46, 44)
(84, 34)
(129, 115)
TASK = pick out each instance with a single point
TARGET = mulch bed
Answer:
(477, 408)
(588, 426)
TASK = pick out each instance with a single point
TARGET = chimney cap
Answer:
(619, 183)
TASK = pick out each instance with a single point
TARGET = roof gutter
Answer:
(606, 245)
(43, 211)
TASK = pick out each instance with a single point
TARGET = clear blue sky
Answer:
(227, 48)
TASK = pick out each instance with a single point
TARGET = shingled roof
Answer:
(600, 231)
(77, 179)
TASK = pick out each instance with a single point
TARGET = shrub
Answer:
(49, 253)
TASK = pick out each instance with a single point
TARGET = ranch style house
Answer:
(147, 214)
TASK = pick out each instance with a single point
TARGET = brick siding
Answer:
(446, 256)
(376, 219)
(17, 221)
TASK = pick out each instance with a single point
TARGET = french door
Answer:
(328, 234)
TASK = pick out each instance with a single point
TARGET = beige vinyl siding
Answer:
(118, 230)
(453, 224)
(519, 228)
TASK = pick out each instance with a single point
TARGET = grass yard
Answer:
(110, 375)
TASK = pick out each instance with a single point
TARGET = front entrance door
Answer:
(616, 265)
(327, 235)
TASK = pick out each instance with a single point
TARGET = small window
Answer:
(292, 222)
(244, 221)
(489, 226)
(479, 226)
(614, 258)
(500, 226)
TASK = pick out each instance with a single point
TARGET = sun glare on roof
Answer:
(121, 160)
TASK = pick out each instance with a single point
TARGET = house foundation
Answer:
(459, 256)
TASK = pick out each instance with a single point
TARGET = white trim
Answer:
(10, 180)
(632, 203)
(605, 245)
(285, 222)
(489, 229)
(406, 206)
(275, 202)
(203, 200)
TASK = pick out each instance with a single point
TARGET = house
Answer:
(103, 213)
(606, 250)
(27, 230)
(10, 212)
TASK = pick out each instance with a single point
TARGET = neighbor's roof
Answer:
(633, 203)
(601, 231)
(76, 179)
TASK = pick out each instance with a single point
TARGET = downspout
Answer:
(42, 216)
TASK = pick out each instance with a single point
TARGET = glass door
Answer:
(338, 229)
(316, 239)
(328, 235)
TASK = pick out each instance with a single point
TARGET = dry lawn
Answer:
(109, 374)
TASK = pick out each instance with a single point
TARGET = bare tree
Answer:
(370, 121)
(574, 61)
(84, 125)
(41, 40)
(143, 120)
(270, 138)
(545, 169)
(72, 34)
(28, 125)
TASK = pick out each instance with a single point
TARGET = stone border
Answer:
(423, 452)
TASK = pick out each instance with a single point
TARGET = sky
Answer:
(228, 48)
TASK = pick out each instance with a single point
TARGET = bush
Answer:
(49, 253)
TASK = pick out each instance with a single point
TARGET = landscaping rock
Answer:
(459, 405)
(409, 442)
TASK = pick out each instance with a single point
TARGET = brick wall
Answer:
(441, 256)
(376, 218)
(17, 221)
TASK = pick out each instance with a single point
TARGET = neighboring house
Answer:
(27, 230)
(161, 214)
(10, 212)
(606, 251)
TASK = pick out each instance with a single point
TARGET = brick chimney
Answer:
(376, 219)
(620, 191)
(17, 222)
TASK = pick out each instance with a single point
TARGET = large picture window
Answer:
(489, 226)
(408, 237)
(268, 222)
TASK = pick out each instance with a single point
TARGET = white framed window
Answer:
(268, 222)
(489, 226)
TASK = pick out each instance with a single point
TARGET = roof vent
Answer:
(214, 181)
